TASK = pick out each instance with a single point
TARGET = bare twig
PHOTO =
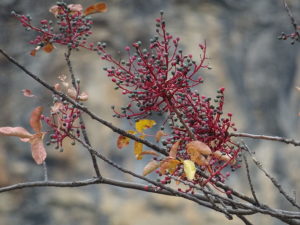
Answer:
(45, 171)
(265, 137)
(249, 179)
(273, 179)
(83, 130)
(293, 21)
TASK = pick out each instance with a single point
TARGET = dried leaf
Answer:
(75, 7)
(196, 147)
(56, 107)
(96, 8)
(15, 131)
(200, 161)
(143, 124)
(122, 141)
(189, 169)
(150, 167)
(55, 10)
(159, 134)
(48, 47)
(37, 148)
(149, 152)
(173, 151)
(169, 165)
(224, 157)
(28, 93)
(83, 96)
(138, 148)
(72, 93)
(35, 119)
(57, 87)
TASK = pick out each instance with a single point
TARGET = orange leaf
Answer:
(27, 93)
(15, 131)
(159, 134)
(122, 141)
(150, 167)
(33, 52)
(200, 160)
(149, 152)
(173, 151)
(56, 107)
(96, 8)
(196, 147)
(143, 124)
(35, 119)
(37, 148)
(169, 165)
(48, 47)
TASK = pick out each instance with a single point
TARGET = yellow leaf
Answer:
(138, 148)
(143, 124)
(169, 165)
(189, 169)
(150, 167)
(174, 148)
(159, 134)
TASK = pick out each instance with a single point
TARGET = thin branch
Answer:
(293, 21)
(45, 171)
(83, 130)
(273, 179)
(83, 108)
(249, 179)
(265, 137)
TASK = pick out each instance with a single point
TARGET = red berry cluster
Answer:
(162, 79)
(73, 27)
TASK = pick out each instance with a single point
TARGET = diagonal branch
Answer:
(273, 179)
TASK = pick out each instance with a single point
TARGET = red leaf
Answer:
(37, 148)
(122, 141)
(35, 119)
(15, 131)
(28, 93)
(96, 8)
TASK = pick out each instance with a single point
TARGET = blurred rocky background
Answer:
(259, 72)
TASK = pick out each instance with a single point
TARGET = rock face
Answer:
(259, 72)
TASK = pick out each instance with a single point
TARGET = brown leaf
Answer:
(159, 134)
(173, 151)
(198, 146)
(37, 148)
(224, 157)
(150, 167)
(96, 8)
(56, 107)
(149, 152)
(15, 131)
(75, 7)
(83, 96)
(27, 93)
(122, 141)
(35, 119)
